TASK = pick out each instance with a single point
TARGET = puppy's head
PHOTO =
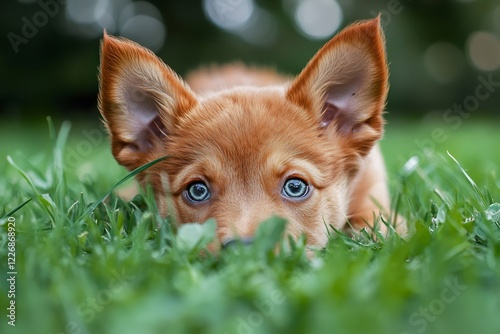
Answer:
(245, 154)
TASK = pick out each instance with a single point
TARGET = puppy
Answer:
(246, 144)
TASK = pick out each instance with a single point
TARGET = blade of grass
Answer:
(9, 214)
(471, 181)
(133, 173)
(40, 197)
(59, 142)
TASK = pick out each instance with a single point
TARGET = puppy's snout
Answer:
(232, 242)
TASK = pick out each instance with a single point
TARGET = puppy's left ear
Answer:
(141, 100)
(344, 86)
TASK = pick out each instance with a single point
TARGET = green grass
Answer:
(85, 266)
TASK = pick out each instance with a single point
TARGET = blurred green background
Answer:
(439, 51)
(445, 96)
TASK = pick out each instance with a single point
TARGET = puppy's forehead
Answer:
(248, 115)
(246, 130)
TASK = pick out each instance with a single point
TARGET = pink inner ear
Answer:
(345, 125)
(143, 121)
(329, 113)
(340, 105)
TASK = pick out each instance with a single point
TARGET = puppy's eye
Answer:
(198, 192)
(295, 188)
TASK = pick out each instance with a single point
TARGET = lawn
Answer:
(87, 266)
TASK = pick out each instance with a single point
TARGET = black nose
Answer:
(232, 242)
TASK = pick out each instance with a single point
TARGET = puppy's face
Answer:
(243, 155)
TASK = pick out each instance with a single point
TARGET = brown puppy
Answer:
(246, 144)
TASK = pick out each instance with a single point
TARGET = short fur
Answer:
(244, 132)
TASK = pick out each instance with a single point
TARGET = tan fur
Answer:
(206, 81)
(245, 132)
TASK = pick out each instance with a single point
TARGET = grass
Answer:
(88, 266)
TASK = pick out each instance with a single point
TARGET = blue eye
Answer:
(295, 188)
(198, 192)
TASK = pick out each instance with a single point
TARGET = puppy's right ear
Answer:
(140, 99)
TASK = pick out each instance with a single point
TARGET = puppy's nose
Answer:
(232, 242)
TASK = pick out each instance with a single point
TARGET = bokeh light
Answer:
(142, 22)
(89, 18)
(318, 19)
(86, 11)
(484, 50)
(229, 14)
(243, 18)
(444, 61)
(261, 29)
